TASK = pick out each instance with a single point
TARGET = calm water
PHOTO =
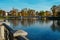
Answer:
(38, 29)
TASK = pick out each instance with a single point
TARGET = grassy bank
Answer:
(1, 18)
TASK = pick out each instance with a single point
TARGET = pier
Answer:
(7, 33)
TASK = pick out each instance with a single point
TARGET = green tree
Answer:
(53, 9)
(41, 13)
(2, 13)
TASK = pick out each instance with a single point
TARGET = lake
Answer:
(38, 29)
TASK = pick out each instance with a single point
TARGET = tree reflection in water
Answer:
(14, 22)
(56, 25)
(24, 22)
(28, 22)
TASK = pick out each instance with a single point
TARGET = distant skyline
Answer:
(37, 5)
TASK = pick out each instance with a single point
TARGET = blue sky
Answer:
(33, 4)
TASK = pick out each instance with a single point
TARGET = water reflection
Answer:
(41, 29)
(14, 22)
(55, 25)
(27, 22)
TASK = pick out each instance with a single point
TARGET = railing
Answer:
(11, 34)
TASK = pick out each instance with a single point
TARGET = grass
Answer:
(2, 18)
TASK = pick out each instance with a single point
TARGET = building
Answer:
(47, 13)
(19, 14)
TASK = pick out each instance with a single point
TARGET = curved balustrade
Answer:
(10, 34)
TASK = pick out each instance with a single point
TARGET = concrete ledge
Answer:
(20, 33)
